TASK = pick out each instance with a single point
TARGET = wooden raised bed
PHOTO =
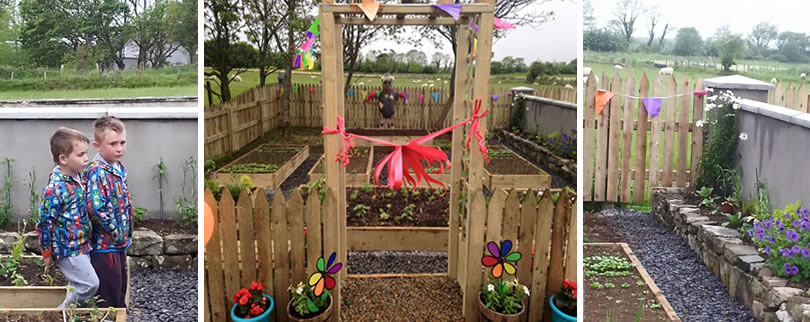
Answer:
(271, 179)
(494, 180)
(667, 309)
(428, 231)
(36, 300)
(397, 238)
(353, 179)
(395, 136)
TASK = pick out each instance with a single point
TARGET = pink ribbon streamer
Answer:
(409, 156)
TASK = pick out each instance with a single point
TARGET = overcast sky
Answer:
(553, 41)
(740, 15)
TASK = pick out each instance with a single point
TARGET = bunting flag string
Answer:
(369, 7)
(652, 104)
(454, 10)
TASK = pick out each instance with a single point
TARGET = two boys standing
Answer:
(86, 216)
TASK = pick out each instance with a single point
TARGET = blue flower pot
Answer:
(265, 317)
(557, 315)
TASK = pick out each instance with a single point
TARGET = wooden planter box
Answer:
(36, 300)
(352, 179)
(518, 181)
(659, 296)
(397, 238)
(381, 135)
(266, 180)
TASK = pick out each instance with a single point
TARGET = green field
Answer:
(250, 79)
(35, 83)
(101, 93)
(640, 63)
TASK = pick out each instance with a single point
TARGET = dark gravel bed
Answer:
(390, 262)
(299, 176)
(163, 295)
(694, 292)
(557, 180)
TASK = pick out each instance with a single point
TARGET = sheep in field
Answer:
(666, 71)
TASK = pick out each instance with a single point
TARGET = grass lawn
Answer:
(100, 93)
(250, 79)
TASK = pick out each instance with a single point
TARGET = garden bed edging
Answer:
(739, 266)
(541, 154)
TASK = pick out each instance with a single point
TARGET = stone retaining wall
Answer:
(541, 154)
(148, 249)
(739, 266)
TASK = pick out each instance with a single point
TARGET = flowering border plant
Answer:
(785, 238)
(566, 299)
(250, 302)
(505, 297)
(312, 298)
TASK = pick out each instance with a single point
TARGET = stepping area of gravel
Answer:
(401, 299)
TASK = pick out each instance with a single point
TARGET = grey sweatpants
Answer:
(82, 279)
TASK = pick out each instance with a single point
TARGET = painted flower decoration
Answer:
(321, 279)
(500, 259)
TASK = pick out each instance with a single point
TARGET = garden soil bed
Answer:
(165, 227)
(622, 301)
(56, 315)
(504, 161)
(596, 230)
(435, 298)
(31, 271)
(430, 208)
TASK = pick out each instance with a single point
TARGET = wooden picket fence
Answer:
(547, 227)
(619, 132)
(232, 125)
(793, 96)
(256, 242)
(278, 243)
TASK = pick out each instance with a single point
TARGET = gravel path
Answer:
(163, 295)
(384, 262)
(694, 292)
(401, 299)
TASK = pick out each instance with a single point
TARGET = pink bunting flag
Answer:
(500, 24)
(421, 98)
(701, 93)
(454, 10)
(653, 105)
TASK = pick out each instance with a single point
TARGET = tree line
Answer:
(84, 34)
(765, 40)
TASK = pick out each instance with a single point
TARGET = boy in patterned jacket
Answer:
(64, 225)
(110, 210)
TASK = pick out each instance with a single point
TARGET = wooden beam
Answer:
(456, 151)
(407, 9)
(397, 21)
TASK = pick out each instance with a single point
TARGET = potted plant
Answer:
(564, 303)
(251, 305)
(502, 300)
(313, 301)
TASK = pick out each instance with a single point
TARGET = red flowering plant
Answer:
(566, 299)
(250, 302)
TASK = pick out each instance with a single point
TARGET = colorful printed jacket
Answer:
(64, 224)
(109, 204)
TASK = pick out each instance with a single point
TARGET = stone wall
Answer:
(542, 155)
(739, 266)
(148, 249)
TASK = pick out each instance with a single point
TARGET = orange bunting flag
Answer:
(209, 224)
(369, 7)
(602, 97)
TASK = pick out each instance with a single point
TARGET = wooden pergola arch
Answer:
(472, 77)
